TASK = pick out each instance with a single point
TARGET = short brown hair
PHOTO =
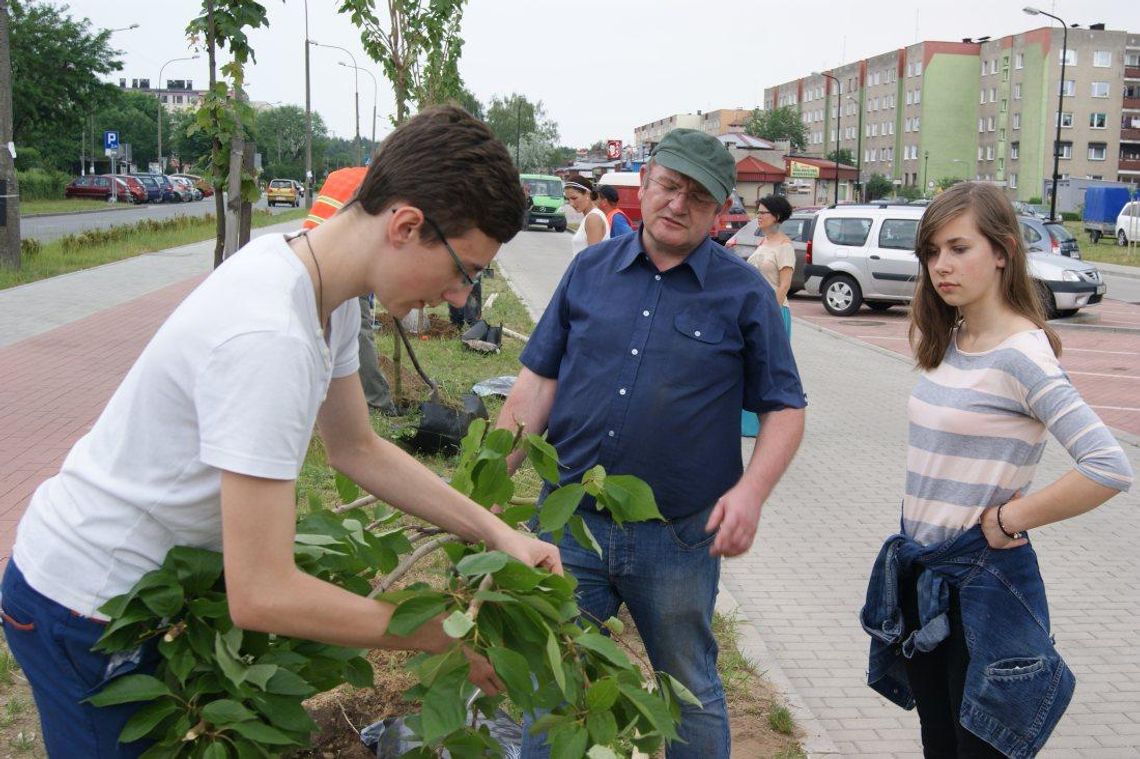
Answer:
(449, 165)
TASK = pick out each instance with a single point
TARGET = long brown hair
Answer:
(931, 320)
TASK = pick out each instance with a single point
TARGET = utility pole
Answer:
(9, 188)
(308, 121)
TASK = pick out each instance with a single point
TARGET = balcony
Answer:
(1129, 135)
(1132, 72)
(1129, 164)
(1133, 103)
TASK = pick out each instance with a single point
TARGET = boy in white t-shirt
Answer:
(203, 440)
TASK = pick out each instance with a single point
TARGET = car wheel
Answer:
(1048, 302)
(878, 305)
(1121, 238)
(1065, 313)
(842, 296)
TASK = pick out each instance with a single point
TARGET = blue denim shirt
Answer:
(1017, 686)
(654, 366)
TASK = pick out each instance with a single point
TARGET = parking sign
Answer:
(110, 140)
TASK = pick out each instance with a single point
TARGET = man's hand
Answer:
(531, 551)
(482, 674)
(736, 515)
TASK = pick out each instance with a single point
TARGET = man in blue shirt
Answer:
(644, 357)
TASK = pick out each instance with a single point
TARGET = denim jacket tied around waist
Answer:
(1017, 686)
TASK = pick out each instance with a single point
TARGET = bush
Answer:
(910, 192)
(42, 184)
(1070, 216)
(30, 247)
(1035, 201)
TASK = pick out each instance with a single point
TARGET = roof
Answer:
(751, 169)
(746, 141)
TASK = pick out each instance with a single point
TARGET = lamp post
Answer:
(91, 121)
(355, 87)
(308, 121)
(858, 147)
(838, 122)
(1060, 105)
(161, 163)
(925, 166)
(366, 71)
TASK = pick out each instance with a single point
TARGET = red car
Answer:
(135, 191)
(98, 187)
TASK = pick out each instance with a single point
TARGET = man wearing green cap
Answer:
(648, 350)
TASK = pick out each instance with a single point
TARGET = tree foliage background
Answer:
(778, 124)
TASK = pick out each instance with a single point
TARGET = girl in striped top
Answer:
(990, 390)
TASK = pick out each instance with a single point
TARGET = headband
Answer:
(581, 187)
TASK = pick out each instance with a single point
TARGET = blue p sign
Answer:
(110, 140)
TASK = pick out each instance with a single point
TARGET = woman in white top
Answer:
(775, 258)
(582, 197)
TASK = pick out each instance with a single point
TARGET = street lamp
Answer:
(925, 165)
(858, 147)
(1060, 104)
(838, 122)
(162, 163)
(370, 76)
(355, 86)
(91, 116)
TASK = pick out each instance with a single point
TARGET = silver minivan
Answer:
(865, 254)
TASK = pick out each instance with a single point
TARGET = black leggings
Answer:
(937, 679)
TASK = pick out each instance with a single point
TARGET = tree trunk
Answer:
(246, 206)
(216, 151)
(9, 187)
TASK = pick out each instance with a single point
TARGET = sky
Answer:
(599, 68)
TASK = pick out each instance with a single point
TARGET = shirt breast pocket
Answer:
(699, 352)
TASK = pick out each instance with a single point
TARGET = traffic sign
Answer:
(111, 140)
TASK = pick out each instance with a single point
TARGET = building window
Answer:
(1001, 165)
(985, 67)
(991, 124)
(906, 126)
(1019, 61)
(918, 68)
(981, 153)
(981, 98)
(993, 94)
(1068, 88)
(1098, 120)
(1017, 91)
(1001, 135)
(1013, 180)
(1097, 151)
(1065, 149)
(917, 97)
(1017, 121)
(1066, 119)
(1102, 59)
(1132, 59)
(989, 152)
(1004, 105)
(916, 120)
(981, 125)
(1068, 56)
(1100, 89)
(874, 130)
(1014, 151)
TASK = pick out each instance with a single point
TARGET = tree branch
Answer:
(410, 561)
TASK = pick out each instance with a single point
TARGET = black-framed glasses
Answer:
(471, 281)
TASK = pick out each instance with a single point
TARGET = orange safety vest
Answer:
(610, 217)
(337, 190)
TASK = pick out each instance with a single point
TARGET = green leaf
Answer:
(474, 437)
(260, 674)
(146, 719)
(600, 644)
(348, 490)
(602, 694)
(129, 689)
(164, 601)
(498, 442)
(543, 458)
(262, 733)
(680, 691)
(594, 480)
(601, 752)
(358, 672)
(225, 711)
(233, 669)
(484, 563)
(513, 669)
(413, 613)
(560, 505)
(286, 683)
(443, 705)
(457, 624)
(629, 499)
(569, 744)
(516, 515)
(196, 568)
(316, 540)
(216, 750)
(493, 483)
(518, 577)
(653, 708)
(602, 726)
(614, 625)
(582, 534)
(494, 596)
(285, 712)
(554, 658)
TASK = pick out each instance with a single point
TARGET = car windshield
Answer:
(281, 184)
(548, 188)
(1059, 233)
(148, 181)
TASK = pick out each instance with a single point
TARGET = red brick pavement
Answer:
(54, 386)
(1103, 365)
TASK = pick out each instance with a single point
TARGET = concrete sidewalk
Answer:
(65, 344)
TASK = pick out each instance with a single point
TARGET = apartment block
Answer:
(178, 95)
(985, 109)
(646, 136)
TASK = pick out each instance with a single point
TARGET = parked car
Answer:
(166, 188)
(798, 227)
(203, 186)
(133, 189)
(1128, 224)
(187, 187)
(865, 254)
(1048, 237)
(300, 188)
(153, 190)
(545, 201)
(94, 187)
(282, 191)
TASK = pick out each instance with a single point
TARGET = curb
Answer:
(110, 207)
(1119, 270)
(814, 741)
(1121, 435)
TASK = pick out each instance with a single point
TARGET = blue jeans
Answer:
(664, 574)
(53, 646)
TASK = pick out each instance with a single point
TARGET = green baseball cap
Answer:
(699, 156)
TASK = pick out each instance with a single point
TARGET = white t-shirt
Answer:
(232, 381)
(578, 241)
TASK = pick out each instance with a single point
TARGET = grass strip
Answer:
(68, 205)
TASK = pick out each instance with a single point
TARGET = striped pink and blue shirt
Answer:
(978, 424)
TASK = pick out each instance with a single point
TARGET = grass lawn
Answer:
(1105, 251)
(103, 246)
(68, 205)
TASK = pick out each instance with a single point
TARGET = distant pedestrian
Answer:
(775, 258)
(608, 204)
(956, 606)
(580, 194)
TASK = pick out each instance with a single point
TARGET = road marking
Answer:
(1112, 376)
(1094, 350)
(878, 337)
(1116, 408)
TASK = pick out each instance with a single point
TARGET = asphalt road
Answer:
(1125, 289)
(52, 227)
